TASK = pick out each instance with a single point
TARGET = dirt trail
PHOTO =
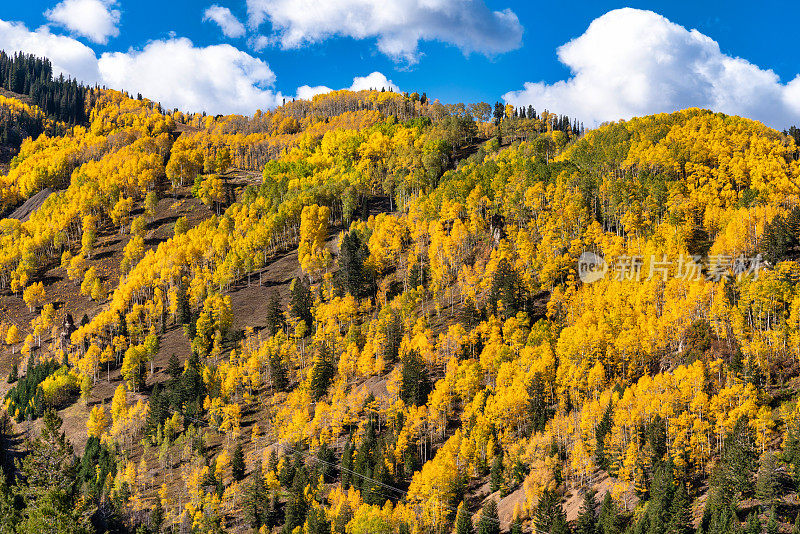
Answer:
(23, 212)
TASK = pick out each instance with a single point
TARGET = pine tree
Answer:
(347, 465)
(753, 524)
(772, 522)
(496, 474)
(489, 523)
(174, 368)
(587, 520)
(301, 301)
(297, 507)
(354, 276)
(157, 516)
(322, 372)
(13, 376)
(547, 509)
(463, 520)
(608, 520)
(734, 472)
(680, 512)
(238, 467)
(184, 314)
(341, 520)
(603, 428)
(767, 483)
(316, 522)
(49, 472)
(559, 524)
(273, 515)
(507, 289)
(275, 318)
(326, 461)
(516, 526)
(415, 384)
(279, 373)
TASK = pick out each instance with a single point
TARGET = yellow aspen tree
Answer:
(13, 337)
(98, 422)
(312, 254)
(34, 296)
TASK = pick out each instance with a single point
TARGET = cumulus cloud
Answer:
(227, 21)
(398, 25)
(216, 79)
(375, 80)
(175, 72)
(631, 62)
(68, 56)
(96, 20)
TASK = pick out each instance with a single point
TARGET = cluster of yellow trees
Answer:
(475, 277)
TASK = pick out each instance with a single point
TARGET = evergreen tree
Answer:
(415, 384)
(680, 521)
(347, 465)
(772, 522)
(13, 376)
(278, 372)
(507, 290)
(463, 520)
(559, 524)
(48, 473)
(489, 523)
(301, 301)
(273, 514)
(353, 275)
(316, 522)
(603, 428)
(587, 519)
(174, 368)
(516, 526)
(496, 474)
(608, 520)
(322, 371)
(326, 461)
(753, 524)
(296, 507)
(767, 483)
(781, 238)
(734, 472)
(157, 516)
(238, 467)
(547, 509)
(341, 520)
(184, 314)
(275, 318)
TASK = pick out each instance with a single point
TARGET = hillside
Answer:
(367, 313)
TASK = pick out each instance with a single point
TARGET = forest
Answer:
(364, 313)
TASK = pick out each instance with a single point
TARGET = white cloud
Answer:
(94, 19)
(305, 92)
(398, 25)
(228, 23)
(68, 56)
(631, 62)
(216, 79)
(375, 80)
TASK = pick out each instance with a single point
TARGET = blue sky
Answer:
(620, 63)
